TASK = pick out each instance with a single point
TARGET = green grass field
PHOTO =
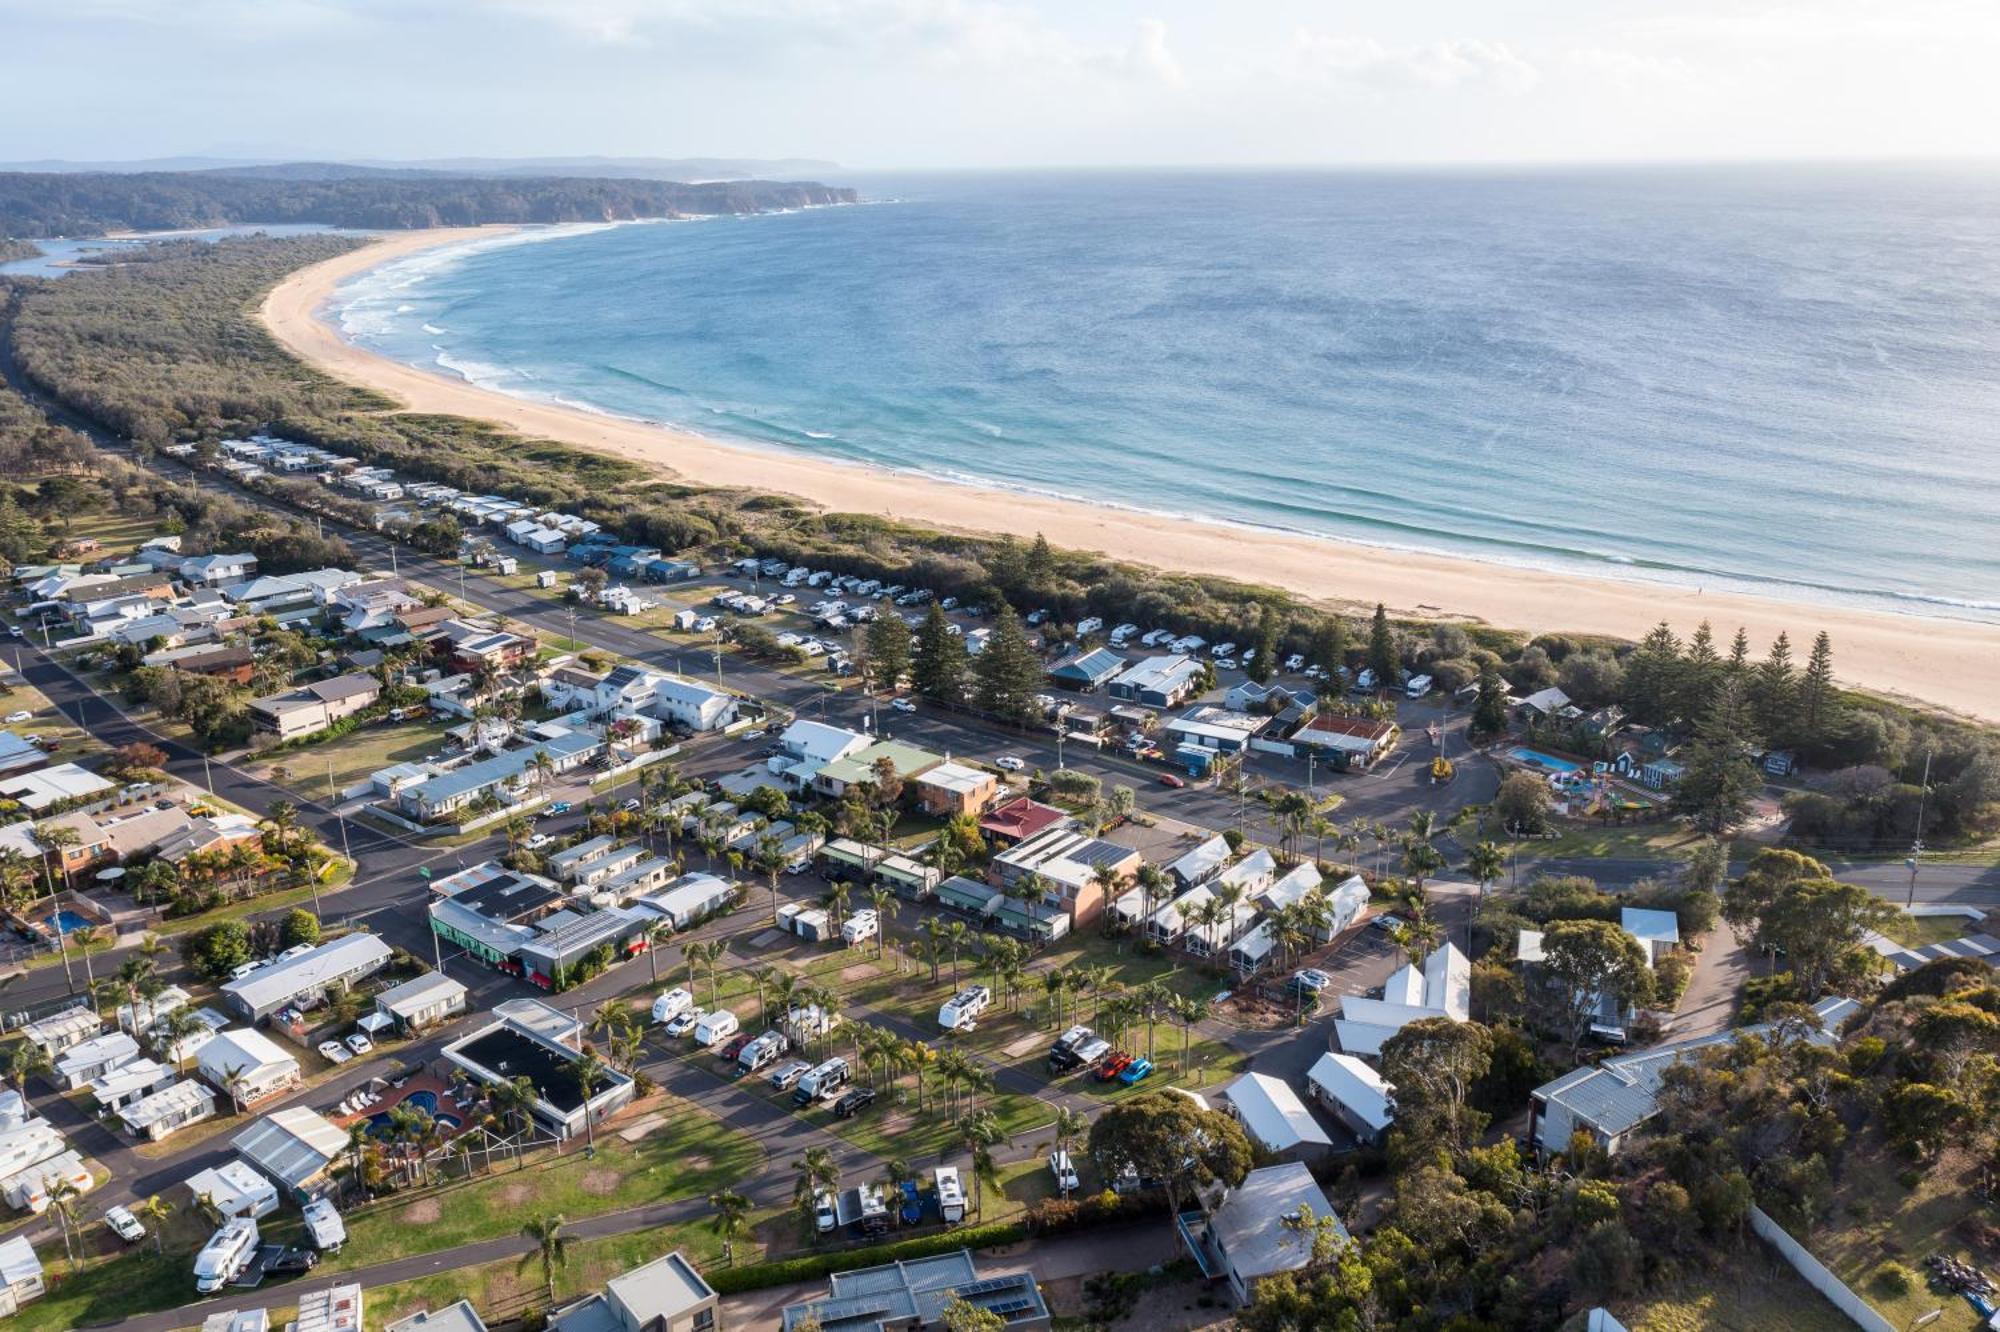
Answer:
(351, 758)
(1754, 1291)
(1876, 1219)
(1917, 931)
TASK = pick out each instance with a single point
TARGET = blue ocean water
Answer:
(1777, 380)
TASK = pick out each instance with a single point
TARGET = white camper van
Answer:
(962, 1010)
(715, 1027)
(821, 1081)
(227, 1253)
(762, 1052)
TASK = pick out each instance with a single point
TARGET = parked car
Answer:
(734, 1045)
(540, 840)
(1311, 980)
(561, 807)
(334, 1052)
(1174, 780)
(125, 1225)
(1009, 763)
(786, 1076)
(902, 705)
(853, 1102)
(291, 1262)
(1065, 1172)
(14, 717)
(825, 1218)
(360, 1044)
(631, 806)
(680, 1024)
(1114, 1064)
(1135, 1072)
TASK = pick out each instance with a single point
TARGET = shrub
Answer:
(1894, 1279)
(812, 1266)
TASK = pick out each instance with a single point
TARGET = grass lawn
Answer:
(1917, 931)
(115, 1281)
(1754, 1291)
(1627, 841)
(352, 757)
(690, 1154)
(74, 742)
(119, 533)
(1877, 1219)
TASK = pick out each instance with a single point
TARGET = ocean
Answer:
(1774, 380)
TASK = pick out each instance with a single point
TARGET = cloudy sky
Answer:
(926, 83)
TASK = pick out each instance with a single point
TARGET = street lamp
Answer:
(1917, 846)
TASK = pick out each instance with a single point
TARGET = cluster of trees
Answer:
(93, 203)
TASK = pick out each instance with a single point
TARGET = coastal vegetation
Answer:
(164, 349)
(11, 250)
(93, 203)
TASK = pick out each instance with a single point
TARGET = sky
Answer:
(884, 84)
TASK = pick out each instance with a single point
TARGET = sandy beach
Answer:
(1948, 663)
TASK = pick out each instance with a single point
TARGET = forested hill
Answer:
(92, 203)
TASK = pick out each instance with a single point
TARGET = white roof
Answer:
(1250, 1220)
(18, 1262)
(1195, 865)
(420, 991)
(228, 1183)
(292, 1145)
(308, 971)
(817, 740)
(1650, 926)
(1273, 1114)
(1354, 1085)
(241, 1049)
(1443, 988)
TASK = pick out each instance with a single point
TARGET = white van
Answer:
(963, 1009)
(859, 926)
(825, 1215)
(324, 1225)
(715, 1027)
(672, 1004)
(821, 1081)
(1418, 686)
(1065, 1173)
(227, 1253)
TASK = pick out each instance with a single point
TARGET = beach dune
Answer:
(1942, 662)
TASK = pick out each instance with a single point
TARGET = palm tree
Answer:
(63, 1200)
(233, 1082)
(955, 935)
(175, 1028)
(25, 1061)
(730, 1209)
(1186, 1011)
(655, 933)
(1069, 1126)
(1055, 982)
(50, 838)
(1421, 859)
(159, 1211)
(883, 901)
(590, 1075)
(707, 955)
(894, 1175)
(918, 1056)
(283, 817)
(551, 1250)
(979, 1132)
(817, 1173)
(1485, 863)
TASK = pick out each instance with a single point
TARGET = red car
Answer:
(733, 1047)
(1114, 1064)
(1169, 779)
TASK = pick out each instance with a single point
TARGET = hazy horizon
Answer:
(890, 85)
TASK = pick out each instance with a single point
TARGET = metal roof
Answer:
(293, 1145)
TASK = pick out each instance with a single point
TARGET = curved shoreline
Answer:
(1939, 661)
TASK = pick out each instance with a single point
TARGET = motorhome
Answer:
(716, 1027)
(226, 1254)
(821, 1081)
(873, 1205)
(860, 926)
(1418, 686)
(950, 1194)
(1062, 1055)
(962, 1010)
(762, 1052)
(324, 1225)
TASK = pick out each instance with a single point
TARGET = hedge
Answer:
(786, 1271)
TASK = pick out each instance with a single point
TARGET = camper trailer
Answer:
(962, 1010)
(323, 1224)
(812, 925)
(950, 1194)
(672, 1004)
(821, 1082)
(762, 1052)
(860, 926)
(715, 1027)
(226, 1254)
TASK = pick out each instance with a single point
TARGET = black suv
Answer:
(853, 1103)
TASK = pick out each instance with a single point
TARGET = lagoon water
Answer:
(1783, 380)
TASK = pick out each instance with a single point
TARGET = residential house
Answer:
(912, 1295)
(459, 1317)
(306, 980)
(1442, 987)
(20, 754)
(61, 785)
(156, 1116)
(1158, 682)
(1284, 706)
(421, 1002)
(505, 776)
(309, 708)
(250, 1062)
(1219, 729)
(1355, 1094)
(88, 1060)
(1611, 1100)
(1016, 820)
(1244, 1237)
(218, 570)
(1350, 742)
(665, 1295)
(1202, 863)
(807, 746)
(950, 790)
(60, 1030)
(233, 662)
(1088, 671)
(863, 766)
(475, 648)
(1274, 1118)
(1072, 864)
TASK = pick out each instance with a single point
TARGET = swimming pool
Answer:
(66, 922)
(426, 1101)
(1535, 758)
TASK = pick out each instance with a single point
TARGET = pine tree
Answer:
(888, 644)
(1719, 781)
(1382, 658)
(1739, 653)
(1816, 701)
(1039, 569)
(1007, 673)
(1489, 714)
(1329, 648)
(938, 669)
(1653, 676)
(1265, 661)
(1699, 672)
(1774, 693)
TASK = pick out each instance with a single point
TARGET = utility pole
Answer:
(1917, 846)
